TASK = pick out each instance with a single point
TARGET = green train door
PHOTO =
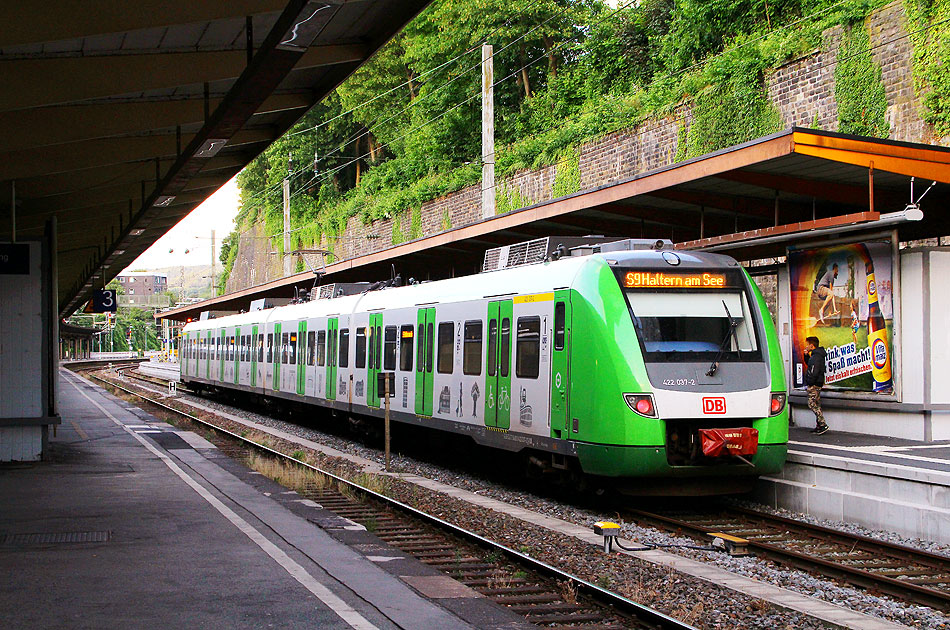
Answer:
(425, 325)
(256, 341)
(498, 372)
(560, 363)
(236, 344)
(221, 352)
(277, 352)
(301, 358)
(333, 327)
(375, 341)
(208, 357)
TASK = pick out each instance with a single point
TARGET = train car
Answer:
(658, 369)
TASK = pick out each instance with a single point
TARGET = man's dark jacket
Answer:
(815, 374)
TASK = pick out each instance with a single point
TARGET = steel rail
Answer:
(642, 613)
(902, 589)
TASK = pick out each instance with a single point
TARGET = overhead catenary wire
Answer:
(326, 174)
(414, 103)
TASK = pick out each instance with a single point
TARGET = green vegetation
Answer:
(405, 128)
(929, 23)
(859, 90)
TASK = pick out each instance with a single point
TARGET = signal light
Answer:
(641, 403)
(777, 404)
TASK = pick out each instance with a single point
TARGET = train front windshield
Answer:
(693, 325)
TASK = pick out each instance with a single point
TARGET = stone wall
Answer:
(803, 90)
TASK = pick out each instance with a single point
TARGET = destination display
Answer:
(666, 280)
(843, 295)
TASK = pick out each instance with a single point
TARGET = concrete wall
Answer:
(25, 351)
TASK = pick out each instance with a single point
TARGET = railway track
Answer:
(909, 574)
(545, 595)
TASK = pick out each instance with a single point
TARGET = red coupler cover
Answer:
(720, 442)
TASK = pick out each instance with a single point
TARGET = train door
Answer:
(498, 365)
(425, 333)
(560, 363)
(277, 350)
(236, 350)
(375, 339)
(220, 355)
(255, 354)
(207, 356)
(333, 328)
(183, 355)
(301, 357)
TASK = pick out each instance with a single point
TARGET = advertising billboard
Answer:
(843, 295)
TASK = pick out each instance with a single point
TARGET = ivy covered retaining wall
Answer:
(801, 92)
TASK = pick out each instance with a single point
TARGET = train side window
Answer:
(446, 338)
(331, 350)
(505, 340)
(528, 360)
(405, 348)
(312, 347)
(344, 353)
(421, 356)
(322, 348)
(389, 349)
(246, 348)
(378, 336)
(492, 358)
(559, 325)
(430, 338)
(285, 338)
(361, 347)
(270, 348)
(292, 358)
(372, 346)
(260, 348)
(472, 349)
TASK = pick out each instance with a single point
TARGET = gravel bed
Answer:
(851, 528)
(687, 598)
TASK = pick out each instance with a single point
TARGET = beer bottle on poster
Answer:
(877, 336)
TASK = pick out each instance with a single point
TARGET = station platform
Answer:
(882, 483)
(132, 523)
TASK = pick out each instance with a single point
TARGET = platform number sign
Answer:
(104, 301)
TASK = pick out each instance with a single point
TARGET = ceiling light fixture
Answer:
(164, 201)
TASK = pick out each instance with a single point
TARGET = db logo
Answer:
(714, 405)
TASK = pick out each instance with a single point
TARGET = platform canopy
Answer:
(748, 199)
(118, 118)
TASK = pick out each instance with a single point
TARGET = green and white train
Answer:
(606, 365)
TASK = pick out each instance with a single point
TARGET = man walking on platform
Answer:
(814, 380)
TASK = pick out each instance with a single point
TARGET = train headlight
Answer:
(777, 404)
(641, 403)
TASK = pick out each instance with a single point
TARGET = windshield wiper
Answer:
(730, 334)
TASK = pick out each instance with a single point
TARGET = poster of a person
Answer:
(825, 291)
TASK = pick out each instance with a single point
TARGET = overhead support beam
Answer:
(45, 126)
(300, 24)
(896, 158)
(57, 20)
(39, 82)
(748, 206)
(77, 156)
(835, 192)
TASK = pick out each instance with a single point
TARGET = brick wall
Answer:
(802, 90)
